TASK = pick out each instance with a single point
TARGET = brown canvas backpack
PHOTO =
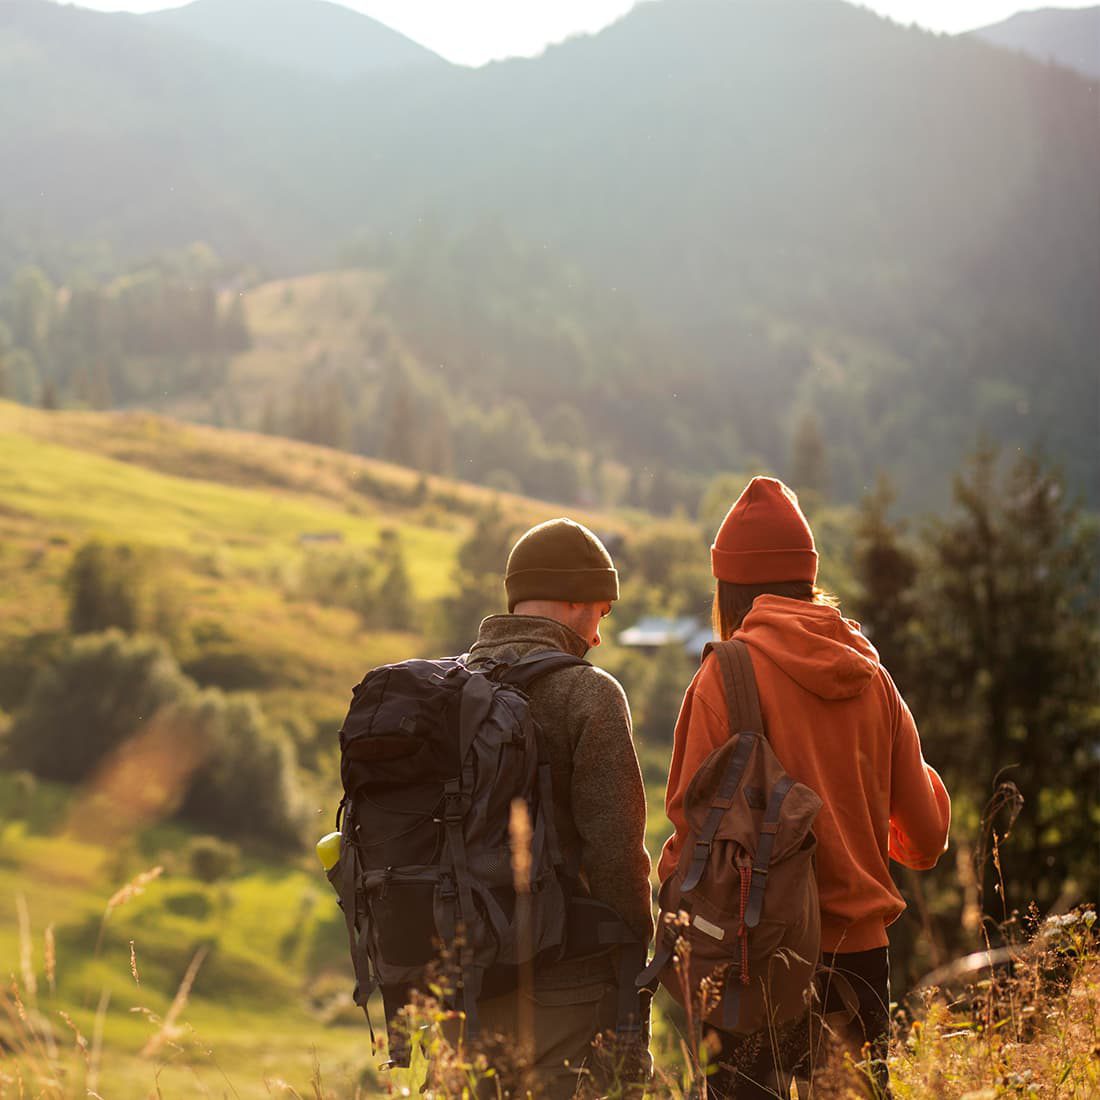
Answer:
(745, 882)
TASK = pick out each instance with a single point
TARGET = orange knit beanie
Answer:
(764, 538)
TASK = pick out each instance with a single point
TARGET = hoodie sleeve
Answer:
(609, 801)
(920, 807)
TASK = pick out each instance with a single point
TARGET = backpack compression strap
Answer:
(743, 701)
(723, 800)
(764, 851)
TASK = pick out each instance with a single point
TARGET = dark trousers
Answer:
(762, 1065)
(564, 1023)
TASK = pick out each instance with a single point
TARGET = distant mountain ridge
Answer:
(1067, 36)
(313, 36)
(809, 202)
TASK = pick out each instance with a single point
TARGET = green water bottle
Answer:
(328, 850)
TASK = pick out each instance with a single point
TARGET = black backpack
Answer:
(433, 753)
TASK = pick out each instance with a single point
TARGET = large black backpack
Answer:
(433, 754)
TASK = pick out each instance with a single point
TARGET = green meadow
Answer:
(233, 517)
(269, 1000)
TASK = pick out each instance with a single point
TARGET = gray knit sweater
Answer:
(599, 798)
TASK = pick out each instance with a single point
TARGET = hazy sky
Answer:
(474, 31)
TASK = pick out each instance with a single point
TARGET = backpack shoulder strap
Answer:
(523, 675)
(746, 724)
(739, 680)
(534, 666)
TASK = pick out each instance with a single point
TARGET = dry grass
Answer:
(1029, 1028)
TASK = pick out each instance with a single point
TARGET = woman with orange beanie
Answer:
(837, 724)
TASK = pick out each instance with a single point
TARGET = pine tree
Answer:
(1008, 676)
(233, 332)
(477, 588)
(886, 570)
(809, 461)
(104, 585)
(269, 416)
(394, 597)
(401, 428)
(31, 309)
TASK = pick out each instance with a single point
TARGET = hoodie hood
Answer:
(813, 644)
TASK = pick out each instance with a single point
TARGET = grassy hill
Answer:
(234, 519)
(226, 513)
(231, 545)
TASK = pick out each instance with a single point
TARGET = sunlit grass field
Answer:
(232, 516)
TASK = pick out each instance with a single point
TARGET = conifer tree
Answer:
(477, 585)
(394, 598)
(105, 585)
(809, 461)
(1010, 615)
(886, 571)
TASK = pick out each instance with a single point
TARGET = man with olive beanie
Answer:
(560, 582)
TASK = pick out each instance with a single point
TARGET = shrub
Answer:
(231, 669)
(211, 859)
(119, 586)
(339, 579)
(246, 786)
(101, 691)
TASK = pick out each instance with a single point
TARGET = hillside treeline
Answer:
(155, 332)
(481, 358)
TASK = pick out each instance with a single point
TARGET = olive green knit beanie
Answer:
(560, 560)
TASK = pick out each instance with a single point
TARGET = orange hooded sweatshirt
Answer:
(838, 724)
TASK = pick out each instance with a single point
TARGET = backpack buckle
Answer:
(454, 804)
